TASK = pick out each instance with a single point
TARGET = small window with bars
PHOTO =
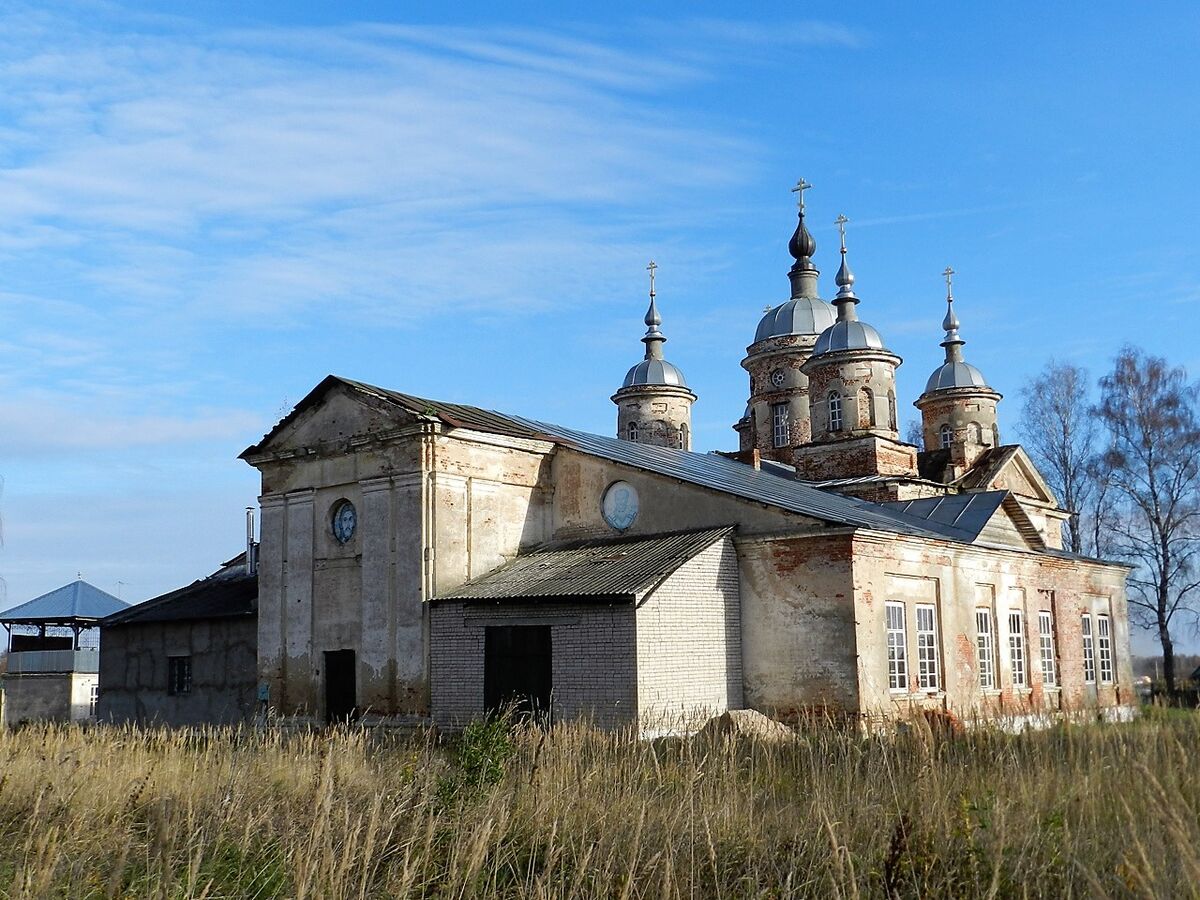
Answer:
(781, 424)
(1046, 645)
(1016, 647)
(985, 644)
(1104, 644)
(179, 675)
(897, 648)
(927, 649)
(1089, 651)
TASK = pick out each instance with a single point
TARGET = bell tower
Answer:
(777, 418)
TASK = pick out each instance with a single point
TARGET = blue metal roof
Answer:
(967, 512)
(77, 601)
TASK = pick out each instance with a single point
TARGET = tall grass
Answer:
(1076, 811)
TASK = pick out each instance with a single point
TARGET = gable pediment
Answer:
(335, 412)
(1018, 474)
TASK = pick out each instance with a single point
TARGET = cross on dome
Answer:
(799, 189)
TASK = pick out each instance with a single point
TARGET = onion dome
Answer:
(848, 332)
(805, 313)
(654, 370)
(955, 372)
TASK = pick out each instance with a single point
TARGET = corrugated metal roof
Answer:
(967, 513)
(227, 593)
(608, 568)
(77, 601)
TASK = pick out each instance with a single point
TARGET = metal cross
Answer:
(949, 276)
(650, 268)
(800, 188)
(840, 222)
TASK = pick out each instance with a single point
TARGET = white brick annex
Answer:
(660, 657)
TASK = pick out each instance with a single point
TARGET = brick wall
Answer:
(593, 670)
(689, 645)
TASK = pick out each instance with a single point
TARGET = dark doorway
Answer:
(340, 686)
(517, 669)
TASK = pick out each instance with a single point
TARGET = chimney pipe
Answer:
(251, 547)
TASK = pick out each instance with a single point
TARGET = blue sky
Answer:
(202, 216)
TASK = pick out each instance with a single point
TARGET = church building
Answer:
(424, 561)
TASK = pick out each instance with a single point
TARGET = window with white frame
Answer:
(683, 437)
(781, 423)
(1016, 647)
(1104, 643)
(985, 643)
(93, 700)
(897, 647)
(927, 649)
(835, 412)
(947, 435)
(1089, 651)
(633, 431)
(1046, 645)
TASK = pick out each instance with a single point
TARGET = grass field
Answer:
(1079, 811)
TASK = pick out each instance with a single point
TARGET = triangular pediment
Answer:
(335, 411)
(1009, 469)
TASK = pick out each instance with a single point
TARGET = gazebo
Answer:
(54, 653)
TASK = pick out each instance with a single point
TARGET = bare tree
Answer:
(1061, 433)
(1150, 412)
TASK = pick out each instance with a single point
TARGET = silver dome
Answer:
(848, 335)
(955, 375)
(654, 371)
(800, 315)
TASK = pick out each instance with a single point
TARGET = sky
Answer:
(202, 215)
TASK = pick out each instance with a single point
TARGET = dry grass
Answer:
(1080, 811)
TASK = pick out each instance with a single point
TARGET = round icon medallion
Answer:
(620, 505)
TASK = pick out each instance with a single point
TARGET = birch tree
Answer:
(1152, 452)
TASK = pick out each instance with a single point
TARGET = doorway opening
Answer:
(340, 686)
(517, 670)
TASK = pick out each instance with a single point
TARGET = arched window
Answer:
(892, 410)
(633, 431)
(995, 435)
(835, 412)
(781, 424)
(866, 412)
(976, 433)
(683, 437)
(947, 436)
